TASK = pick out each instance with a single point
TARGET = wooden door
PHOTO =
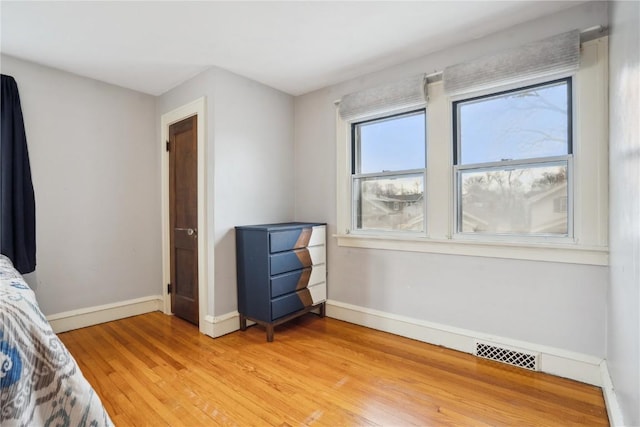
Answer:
(183, 207)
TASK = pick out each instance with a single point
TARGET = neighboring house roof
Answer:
(553, 192)
(473, 221)
(378, 205)
(403, 198)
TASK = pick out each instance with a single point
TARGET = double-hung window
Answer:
(388, 173)
(512, 162)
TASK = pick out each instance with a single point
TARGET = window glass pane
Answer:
(523, 124)
(522, 200)
(391, 144)
(390, 203)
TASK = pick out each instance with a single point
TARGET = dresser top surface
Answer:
(279, 226)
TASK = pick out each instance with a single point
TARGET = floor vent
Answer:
(519, 358)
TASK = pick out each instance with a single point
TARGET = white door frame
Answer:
(197, 107)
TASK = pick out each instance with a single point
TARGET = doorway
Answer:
(184, 213)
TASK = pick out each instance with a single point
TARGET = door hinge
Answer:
(168, 146)
(169, 288)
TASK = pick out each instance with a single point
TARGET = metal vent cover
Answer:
(510, 356)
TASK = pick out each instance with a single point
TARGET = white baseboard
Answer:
(555, 361)
(90, 316)
(217, 326)
(563, 363)
(576, 366)
(611, 401)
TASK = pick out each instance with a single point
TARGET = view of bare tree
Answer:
(520, 197)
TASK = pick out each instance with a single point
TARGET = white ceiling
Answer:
(296, 46)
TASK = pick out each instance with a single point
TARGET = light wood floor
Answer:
(159, 370)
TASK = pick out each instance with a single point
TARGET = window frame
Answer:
(590, 177)
(531, 162)
(355, 175)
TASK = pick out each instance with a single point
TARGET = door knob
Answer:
(190, 231)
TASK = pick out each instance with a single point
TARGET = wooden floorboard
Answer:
(159, 370)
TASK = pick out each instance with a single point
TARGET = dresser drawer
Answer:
(299, 279)
(298, 300)
(280, 241)
(297, 259)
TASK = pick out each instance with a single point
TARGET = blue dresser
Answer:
(281, 272)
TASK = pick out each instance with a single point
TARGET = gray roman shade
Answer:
(552, 55)
(403, 94)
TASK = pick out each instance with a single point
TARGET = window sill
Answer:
(562, 253)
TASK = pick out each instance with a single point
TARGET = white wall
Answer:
(95, 176)
(250, 160)
(558, 305)
(623, 299)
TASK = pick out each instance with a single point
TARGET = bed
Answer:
(40, 382)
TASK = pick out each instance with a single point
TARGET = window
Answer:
(388, 173)
(515, 170)
(513, 161)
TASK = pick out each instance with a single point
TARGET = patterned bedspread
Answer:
(40, 382)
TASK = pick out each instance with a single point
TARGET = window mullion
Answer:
(389, 173)
(514, 163)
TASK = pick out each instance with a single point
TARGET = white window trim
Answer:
(590, 181)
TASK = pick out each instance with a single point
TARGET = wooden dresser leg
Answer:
(269, 333)
(243, 323)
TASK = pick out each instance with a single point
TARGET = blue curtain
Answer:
(17, 201)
